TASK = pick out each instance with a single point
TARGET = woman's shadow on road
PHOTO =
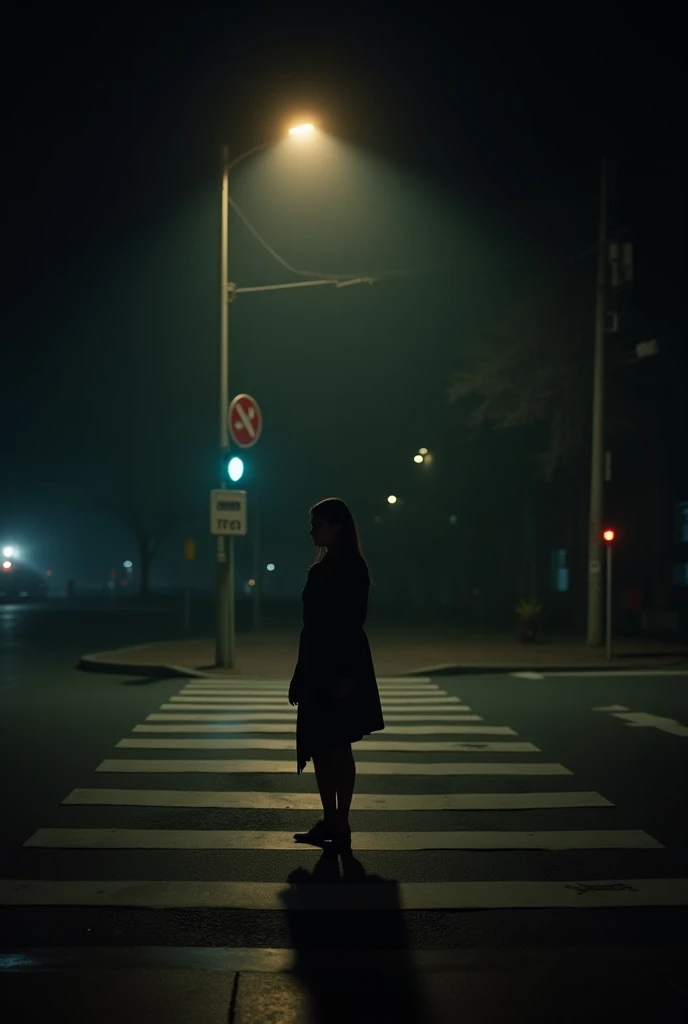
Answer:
(351, 950)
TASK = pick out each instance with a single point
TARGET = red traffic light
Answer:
(608, 536)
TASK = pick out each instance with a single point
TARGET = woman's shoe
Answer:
(321, 832)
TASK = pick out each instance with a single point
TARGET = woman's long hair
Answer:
(334, 510)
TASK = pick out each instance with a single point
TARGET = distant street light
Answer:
(7, 565)
(128, 565)
(418, 458)
(392, 499)
(422, 451)
(270, 567)
(8, 551)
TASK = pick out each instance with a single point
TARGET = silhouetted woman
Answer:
(334, 681)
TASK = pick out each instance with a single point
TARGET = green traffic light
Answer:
(235, 469)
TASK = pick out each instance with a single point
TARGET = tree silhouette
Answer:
(530, 371)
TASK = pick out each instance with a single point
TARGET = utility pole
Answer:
(224, 651)
(594, 634)
(258, 569)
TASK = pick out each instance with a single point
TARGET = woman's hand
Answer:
(293, 693)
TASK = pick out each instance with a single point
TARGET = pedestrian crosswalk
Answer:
(253, 766)
(433, 742)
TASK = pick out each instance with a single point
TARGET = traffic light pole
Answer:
(594, 633)
(224, 647)
(609, 602)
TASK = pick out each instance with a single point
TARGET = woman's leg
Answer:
(325, 778)
(345, 780)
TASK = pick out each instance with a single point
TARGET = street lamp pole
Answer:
(225, 639)
(224, 654)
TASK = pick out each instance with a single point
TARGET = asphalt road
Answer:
(59, 725)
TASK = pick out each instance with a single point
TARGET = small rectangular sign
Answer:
(228, 513)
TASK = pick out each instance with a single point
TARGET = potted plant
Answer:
(528, 611)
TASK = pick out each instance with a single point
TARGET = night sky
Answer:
(458, 155)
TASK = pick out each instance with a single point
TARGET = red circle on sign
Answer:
(245, 421)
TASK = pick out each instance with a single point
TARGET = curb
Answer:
(153, 670)
(92, 663)
(482, 669)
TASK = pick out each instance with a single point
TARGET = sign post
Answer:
(609, 539)
(189, 555)
(227, 520)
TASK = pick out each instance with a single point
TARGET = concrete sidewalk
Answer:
(333, 986)
(272, 655)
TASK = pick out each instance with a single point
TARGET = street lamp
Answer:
(392, 499)
(224, 650)
(302, 129)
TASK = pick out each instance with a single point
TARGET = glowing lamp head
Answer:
(608, 536)
(302, 129)
(8, 551)
(7, 565)
(392, 499)
(418, 458)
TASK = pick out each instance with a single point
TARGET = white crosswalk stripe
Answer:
(231, 708)
(256, 766)
(421, 718)
(454, 725)
(277, 800)
(288, 727)
(393, 700)
(383, 682)
(213, 839)
(268, 743)
(230, 715)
